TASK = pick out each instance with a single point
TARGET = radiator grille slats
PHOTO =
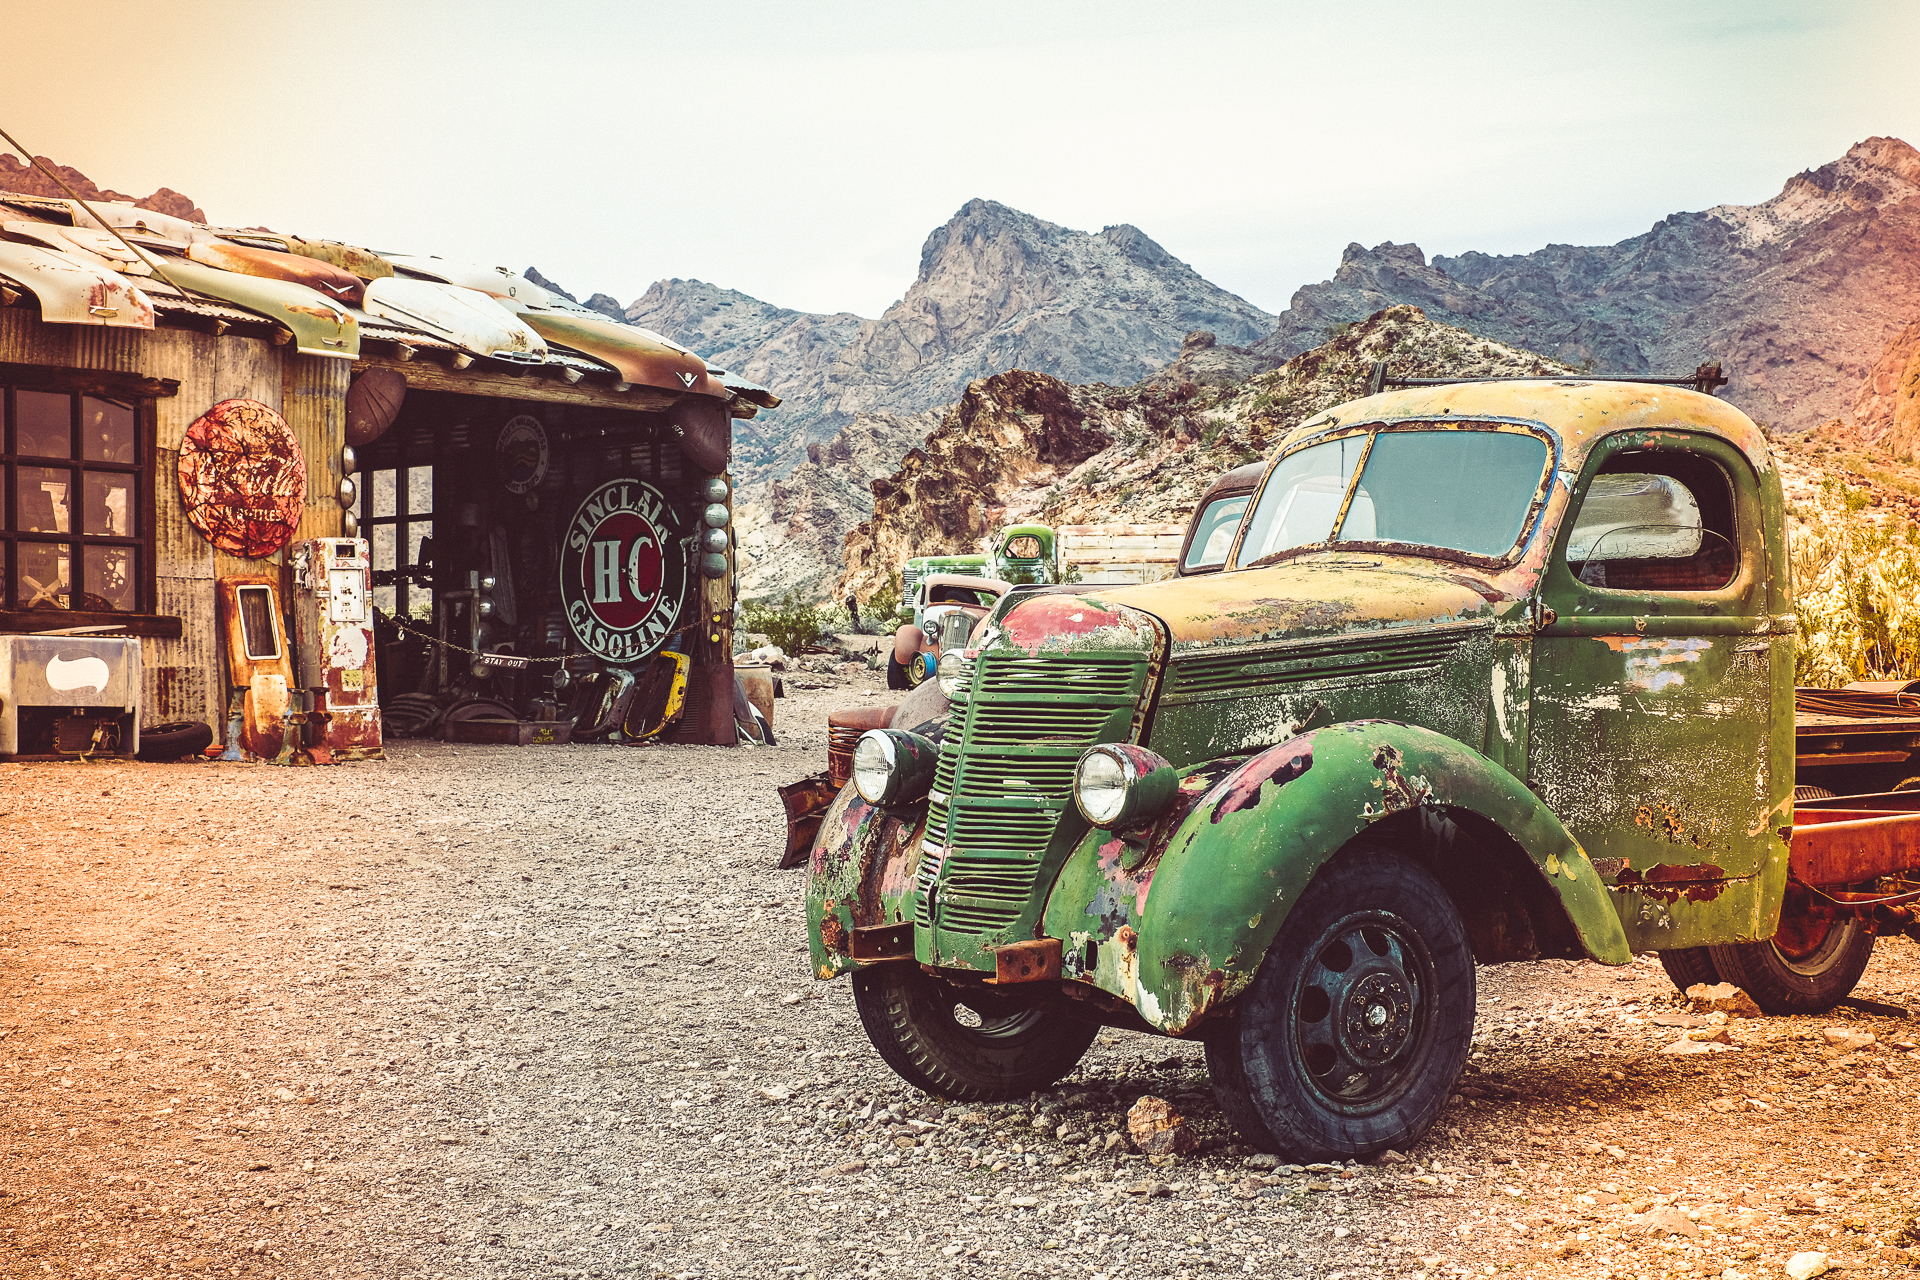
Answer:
(1005, 779)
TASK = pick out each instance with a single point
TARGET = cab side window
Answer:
(1654, 520)
(1213, 533)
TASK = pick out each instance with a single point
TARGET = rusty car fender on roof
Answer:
(1186, 919)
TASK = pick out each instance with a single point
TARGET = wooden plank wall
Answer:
(185, 678)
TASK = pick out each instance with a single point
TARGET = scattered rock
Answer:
(1158, 1130)
(1264, 1160)
(1804, 1266)
(1846, 1039)
(1721, 997)
(1670, 1221)
(1389, 1156)
(1149, 1188)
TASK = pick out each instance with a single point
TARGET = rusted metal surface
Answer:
(872, 943)
(1834, 847)
(640, 356)
(806, 803)
(262, 713)
(271, 264)
(71, 291)
(1036, 961)
(320, 325)
(333, 635)
(843, 732)
(243, 481)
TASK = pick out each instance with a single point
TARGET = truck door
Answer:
(1651, 708)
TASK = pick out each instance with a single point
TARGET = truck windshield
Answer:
(1463, 490)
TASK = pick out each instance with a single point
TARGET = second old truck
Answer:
(1494, 671)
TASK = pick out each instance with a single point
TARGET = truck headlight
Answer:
(951, 675)
(1119, 785)
(892, 766)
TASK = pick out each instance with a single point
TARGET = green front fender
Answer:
(1181, 918)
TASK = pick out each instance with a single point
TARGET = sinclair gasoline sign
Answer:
(623, 573)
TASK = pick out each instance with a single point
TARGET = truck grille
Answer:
(1004, 782)
(1239, 674)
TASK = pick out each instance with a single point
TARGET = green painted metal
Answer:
(321, 326)
(1181, 919)
(1633, 740)
(1042, 568)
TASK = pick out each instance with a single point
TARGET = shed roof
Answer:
(308, 289)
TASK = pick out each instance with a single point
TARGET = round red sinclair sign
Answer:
(623, 573)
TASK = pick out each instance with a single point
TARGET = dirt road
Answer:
(546, 1011)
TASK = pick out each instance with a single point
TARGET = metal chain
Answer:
(448, 644)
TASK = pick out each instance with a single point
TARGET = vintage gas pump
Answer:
(262, 720)
(333, 636)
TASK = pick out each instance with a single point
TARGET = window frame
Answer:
(1529, 524)
(78, 385)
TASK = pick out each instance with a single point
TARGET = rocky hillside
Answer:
(1798, 297)
(1023, 445)
(791, 530)
(17, 175)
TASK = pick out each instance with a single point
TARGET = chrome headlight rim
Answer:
(892, 767)
(874, 761)
(1146, 785)
(951, 673)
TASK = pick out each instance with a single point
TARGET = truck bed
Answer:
(1864, 738)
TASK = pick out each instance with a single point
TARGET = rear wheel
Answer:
(1689, 966)
(963, 1044)
(1358, 1023)
(1809, 965)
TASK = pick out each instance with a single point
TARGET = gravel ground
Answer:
(546, 1011)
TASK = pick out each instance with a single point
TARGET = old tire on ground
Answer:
(897, 677)
(936, 1042)
(173, 740)
(1808, 966)
(1689, 966)
(1358, 1023)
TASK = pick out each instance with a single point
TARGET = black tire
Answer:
(1803, 968)
(897, 674)
(1374, 933)
(914, 1020)
(173, 740)
(1689, 966)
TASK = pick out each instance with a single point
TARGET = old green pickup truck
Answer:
(1494, 671)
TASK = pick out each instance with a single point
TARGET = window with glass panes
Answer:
(73, 515)
(395, 512)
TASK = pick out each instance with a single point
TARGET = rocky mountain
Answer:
(17, 175)
(1798, 297)
(790, 531)
(1025, 446)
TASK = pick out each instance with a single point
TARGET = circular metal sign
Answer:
(522, 450)
(623, 572)
(243, 480)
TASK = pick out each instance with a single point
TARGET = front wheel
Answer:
(1360, 1018)
(964, 1044)
(1809, 965)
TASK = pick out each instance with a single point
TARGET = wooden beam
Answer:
(152, 626)
(423, 375)
(97, 382)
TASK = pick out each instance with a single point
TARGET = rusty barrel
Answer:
(843, 730)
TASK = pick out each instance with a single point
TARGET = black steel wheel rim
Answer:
(1361, 1008)
(991, 1025)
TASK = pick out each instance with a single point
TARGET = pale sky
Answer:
(802, 152)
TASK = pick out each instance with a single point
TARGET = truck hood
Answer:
(1322, 595)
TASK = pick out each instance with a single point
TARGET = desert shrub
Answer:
(791, 623)
(1857, 584)
(882, 611)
